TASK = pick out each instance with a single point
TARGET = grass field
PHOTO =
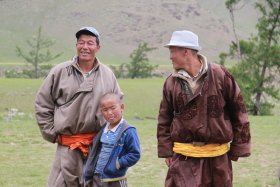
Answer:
(25, 158)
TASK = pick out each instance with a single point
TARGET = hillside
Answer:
(122, 24)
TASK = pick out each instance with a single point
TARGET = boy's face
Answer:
(112, 111)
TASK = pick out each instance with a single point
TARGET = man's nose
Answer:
(85, 45)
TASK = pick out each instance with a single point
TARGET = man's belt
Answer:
(200, 149)
(80, 141)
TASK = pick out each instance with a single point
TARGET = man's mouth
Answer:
(85, 53)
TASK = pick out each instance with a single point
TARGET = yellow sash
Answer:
(208, 150)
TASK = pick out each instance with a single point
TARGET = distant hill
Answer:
(122, 24)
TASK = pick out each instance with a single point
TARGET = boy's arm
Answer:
(132, 145)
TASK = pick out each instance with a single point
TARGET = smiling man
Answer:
(87, 47)
(67, 108)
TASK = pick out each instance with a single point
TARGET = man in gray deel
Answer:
(67, 108)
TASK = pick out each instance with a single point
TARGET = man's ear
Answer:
(98, 48)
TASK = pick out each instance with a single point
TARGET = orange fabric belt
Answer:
(80, 141)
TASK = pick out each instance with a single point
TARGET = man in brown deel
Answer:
(202, 124)
(67, 108)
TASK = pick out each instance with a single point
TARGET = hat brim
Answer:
(183, 44)
(88, 30)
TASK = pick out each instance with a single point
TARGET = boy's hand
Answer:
(168, 161)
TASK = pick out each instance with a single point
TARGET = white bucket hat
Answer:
(186, 39)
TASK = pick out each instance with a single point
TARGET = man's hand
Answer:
(58, 139)
(168, 161)
(234, 158)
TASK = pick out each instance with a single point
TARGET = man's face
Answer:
(87, 48)
(178, 57)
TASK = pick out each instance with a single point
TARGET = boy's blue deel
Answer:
(126, 153)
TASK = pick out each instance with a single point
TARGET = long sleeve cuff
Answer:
(240, 150)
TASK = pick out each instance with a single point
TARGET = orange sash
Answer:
(78, 141)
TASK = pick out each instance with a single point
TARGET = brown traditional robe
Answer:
(215, 113)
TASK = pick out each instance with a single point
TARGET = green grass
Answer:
(142, 96)
(261, 168)
(19, 93)
(25, 158)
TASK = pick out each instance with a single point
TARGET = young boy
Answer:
(115, 148)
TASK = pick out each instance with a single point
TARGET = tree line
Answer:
(257, 58)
